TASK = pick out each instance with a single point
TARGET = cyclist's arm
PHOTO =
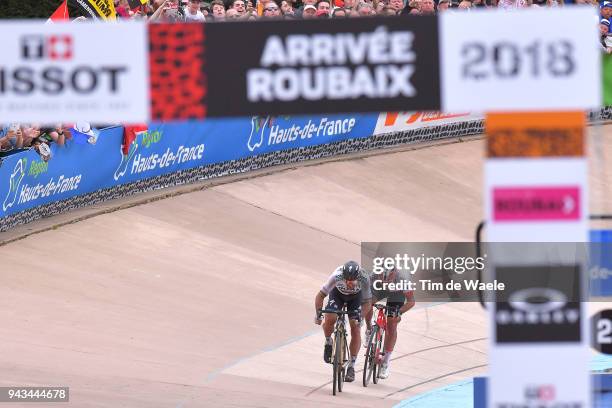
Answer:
(409, 304)
(319, 301)
(366, 311)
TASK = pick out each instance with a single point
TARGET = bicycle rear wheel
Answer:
(369, 365)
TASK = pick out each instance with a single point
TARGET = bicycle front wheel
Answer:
(369, 365)
(341, 352)
(336, 364)
(378, 346)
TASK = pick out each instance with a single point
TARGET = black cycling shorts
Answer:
(353, 303)
(395, 300)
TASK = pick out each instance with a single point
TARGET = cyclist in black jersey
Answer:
(398, 302)
(347, 285)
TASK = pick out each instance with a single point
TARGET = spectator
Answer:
(231, 14)
(428, 7)
(239, 6)
(309, 11)
(287, 8)
(10, 137)
(443, 5)
(364, 9)
(397, 5)
(167, 12)
(271, 11)
(554, 3)
(465, 5)
(605, 39)
(388, 11)
(205, 9)
(123, 9)
(218, 10)
(193, 13)
(309, 3)
(53, 135)
(323, 8)
(350, 4)
(512, 4)
(606, 10)
(338, 12)
(379, 5)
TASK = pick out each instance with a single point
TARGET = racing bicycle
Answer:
(340, 351)
(371, 366)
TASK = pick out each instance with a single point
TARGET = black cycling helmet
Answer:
(350, 270)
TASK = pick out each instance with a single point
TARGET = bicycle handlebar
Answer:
(338, 312)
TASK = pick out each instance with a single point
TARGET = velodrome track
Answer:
(205, 299)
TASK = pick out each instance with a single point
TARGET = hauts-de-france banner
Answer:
(163, 148)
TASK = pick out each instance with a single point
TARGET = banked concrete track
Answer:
(206, 299)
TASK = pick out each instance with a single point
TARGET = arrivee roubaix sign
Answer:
(316, 66)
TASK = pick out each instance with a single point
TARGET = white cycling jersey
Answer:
(336, 280)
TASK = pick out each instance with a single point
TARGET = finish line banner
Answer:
(54, 73)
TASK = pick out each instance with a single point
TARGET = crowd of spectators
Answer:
(16, 136)
(13, 137)
(224, 10)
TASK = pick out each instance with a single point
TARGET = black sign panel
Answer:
(541, 304)
(601, 331)
(323, 66)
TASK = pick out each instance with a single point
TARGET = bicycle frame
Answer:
(381, 322)
(375, 345)
(341, 353)
(340, 327)
(381, 319)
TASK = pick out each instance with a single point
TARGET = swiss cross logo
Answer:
(540, 393)
(54, 47)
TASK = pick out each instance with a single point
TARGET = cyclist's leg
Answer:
(393, 306)
(367, 310)
(353, 306)
(334, 302)
(392, 321)
(390, 336)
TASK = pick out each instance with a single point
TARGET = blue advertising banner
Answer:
(78, 169)
(600, 267)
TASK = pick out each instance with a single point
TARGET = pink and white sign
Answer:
(536, 203)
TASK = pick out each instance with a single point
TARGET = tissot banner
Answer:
(54, 73)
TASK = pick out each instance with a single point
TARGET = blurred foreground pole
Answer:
(607, 79)
(536, 192)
